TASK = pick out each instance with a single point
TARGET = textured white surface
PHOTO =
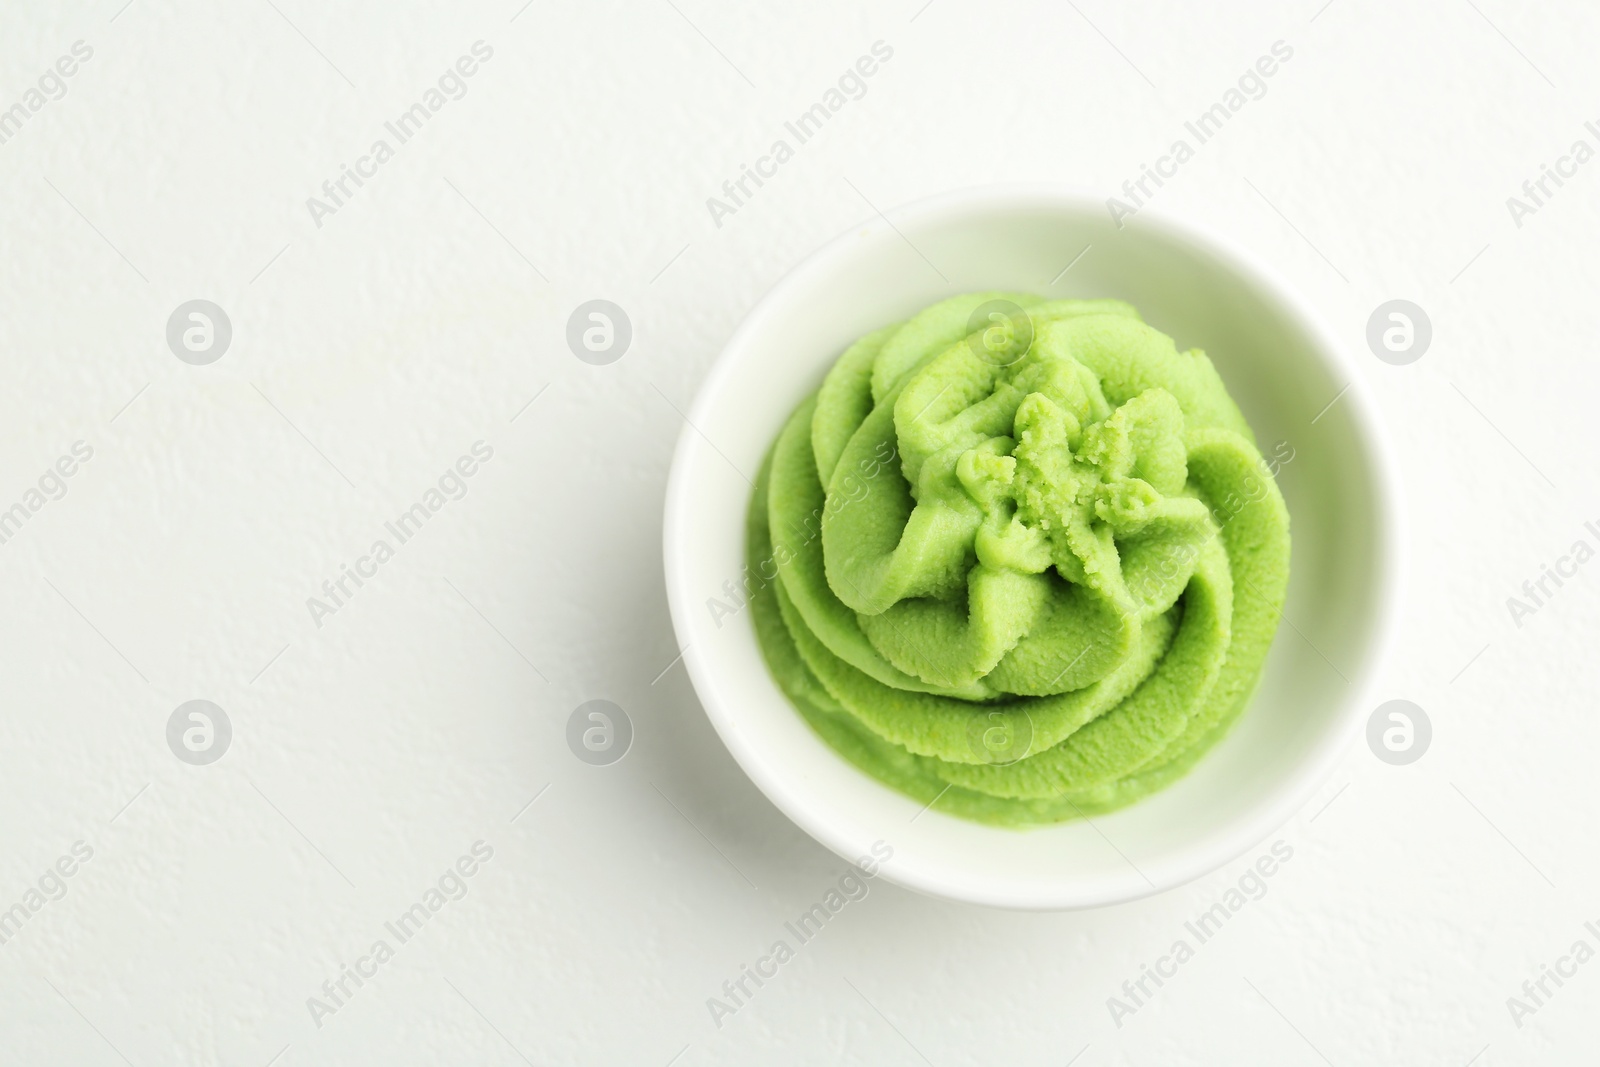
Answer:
(372, 752)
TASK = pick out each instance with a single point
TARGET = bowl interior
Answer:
(1279, 367)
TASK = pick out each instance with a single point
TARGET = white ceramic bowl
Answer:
(1279, 364)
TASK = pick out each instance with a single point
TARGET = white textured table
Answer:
(227, 912)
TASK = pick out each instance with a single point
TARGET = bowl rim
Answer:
(1262, 817)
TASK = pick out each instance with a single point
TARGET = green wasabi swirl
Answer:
(1024, 561)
